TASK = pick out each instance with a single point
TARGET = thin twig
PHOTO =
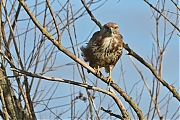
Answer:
(72, 56)
(147, 86)
(112, 114)
(131, 52)
(110, 92)
(92, 16)
(162, 15)
(140, 59)
(18, 54)
(176, 4)
(125, 114)
(54, 19)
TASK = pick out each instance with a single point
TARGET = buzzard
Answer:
(104, 49)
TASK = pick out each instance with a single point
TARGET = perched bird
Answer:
(104, 49)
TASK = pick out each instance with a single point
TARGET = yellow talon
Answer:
(98, 71)
(109, 78)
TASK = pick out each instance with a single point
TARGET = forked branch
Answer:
(140, 59)
(72, 56)
(163, 15)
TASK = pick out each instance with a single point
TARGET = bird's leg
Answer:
(109, 78)
(98, 71)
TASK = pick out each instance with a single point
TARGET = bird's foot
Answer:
(98, 71)
(109, 80)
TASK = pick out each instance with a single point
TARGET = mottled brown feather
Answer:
(104, 48)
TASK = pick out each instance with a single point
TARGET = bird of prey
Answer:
(104, 49)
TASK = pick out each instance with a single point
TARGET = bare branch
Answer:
(92, 16)
(110, 92)
(55, 22)
(176, 4)
(163, 15)
(131, 52)
(140, 59)
(112, 114)
(72, 56)
(3, 104)
(147, 86)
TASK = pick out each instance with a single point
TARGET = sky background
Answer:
(136, 25)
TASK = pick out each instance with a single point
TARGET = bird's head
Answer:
(110, 29)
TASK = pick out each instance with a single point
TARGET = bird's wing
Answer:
(96, 39)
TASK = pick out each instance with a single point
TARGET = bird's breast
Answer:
(108, 52)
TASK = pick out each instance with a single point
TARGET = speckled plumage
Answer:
(104, 48)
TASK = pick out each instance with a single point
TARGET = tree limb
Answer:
(72, 56)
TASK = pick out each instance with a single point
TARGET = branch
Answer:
(140, 59)
(120, 105)
(148, 88)
(110, 92)
(112, 114)
(176, 4)
(72, 56)
(92, 16)
(132, 53)
(25, 97)
(54, 19)
(4, 105)
(162, 15)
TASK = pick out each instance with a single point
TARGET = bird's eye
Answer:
(116, 27)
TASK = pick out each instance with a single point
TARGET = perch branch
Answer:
(72, 56)
(132, 53)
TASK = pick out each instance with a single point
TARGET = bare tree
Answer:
(43, 75)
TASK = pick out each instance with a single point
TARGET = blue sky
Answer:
(136, 25)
